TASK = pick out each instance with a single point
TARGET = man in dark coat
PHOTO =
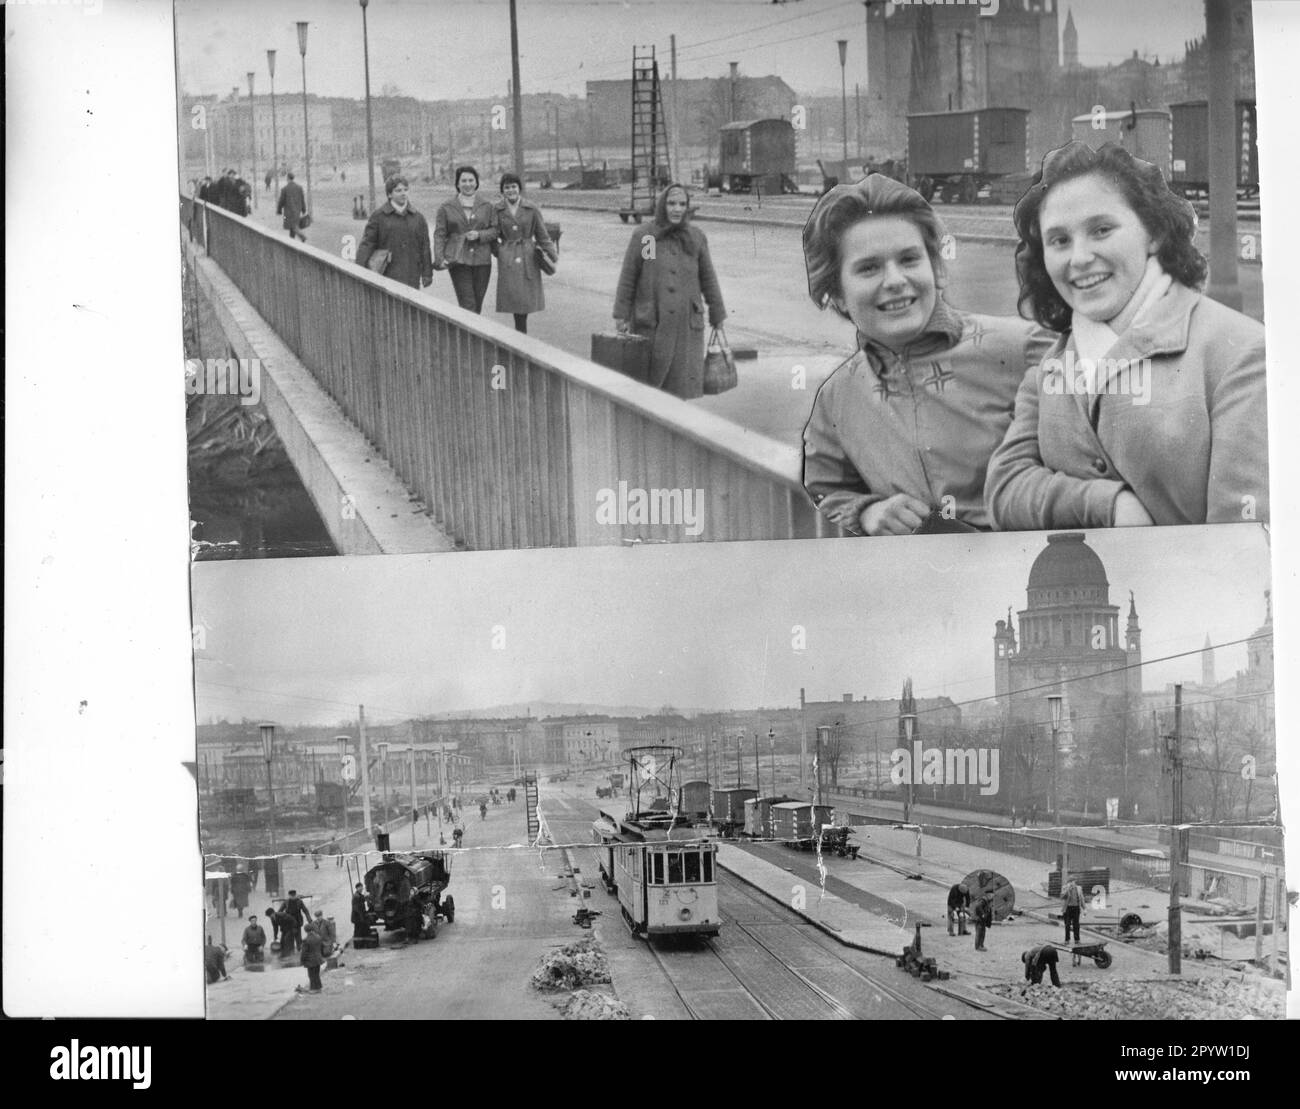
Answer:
(253, 940)
(400, 229)
(292, 204)
(241, 886)
(296, 911)
(312, 958)
(1040, 959)
(360, 917)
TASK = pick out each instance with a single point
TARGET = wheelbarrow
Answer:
(1095, 951)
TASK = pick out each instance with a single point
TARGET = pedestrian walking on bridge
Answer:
(396, 227)
(293, 206)
(464, 232)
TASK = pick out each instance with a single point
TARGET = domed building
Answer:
(1069, 641)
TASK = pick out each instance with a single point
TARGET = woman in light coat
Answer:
(666, 280)
(1151, 407)
(520, 230)
(464, 231)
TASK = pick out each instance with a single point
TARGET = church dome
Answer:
(1067, 562)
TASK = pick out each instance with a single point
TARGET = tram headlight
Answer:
(683, 914)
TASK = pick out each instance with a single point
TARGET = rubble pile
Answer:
(1203, 999)
(571, 967)
(590, 1005)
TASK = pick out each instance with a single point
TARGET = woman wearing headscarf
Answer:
(1151, 407)
(463, 234)
(900, 434)
(666, 281)
(521, 230)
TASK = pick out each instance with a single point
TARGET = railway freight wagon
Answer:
(758, 815)
(1143, 132)
(1191, 148)
(693, 801)
(665, 881)
(729, 808)
(758, 153)
(952, 155)
(798, 820)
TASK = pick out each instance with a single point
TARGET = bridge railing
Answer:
(509, 442)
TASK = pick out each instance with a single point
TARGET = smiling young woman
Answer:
(900, 435)
(1151, 406)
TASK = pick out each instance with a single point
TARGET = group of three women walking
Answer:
(469, 231)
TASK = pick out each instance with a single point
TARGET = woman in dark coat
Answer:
(397, 227)
(522, 230)
(666, 272)
(463, 234)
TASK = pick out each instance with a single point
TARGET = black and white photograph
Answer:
(637, 786)
(681, 287)
(423, 649)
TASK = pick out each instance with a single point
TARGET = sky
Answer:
(450, 49)
(696, 626)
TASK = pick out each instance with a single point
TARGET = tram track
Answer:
(738, 890)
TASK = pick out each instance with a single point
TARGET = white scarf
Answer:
(1093, 340)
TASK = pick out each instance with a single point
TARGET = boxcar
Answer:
(663, 875)
(693, 800)
(952, 155)
(1143, 132)
(758, 815)
(1191, 140)
(729, 808)
(797, 820)
(758, 152)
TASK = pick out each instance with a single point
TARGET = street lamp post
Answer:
(383, 764)
(252, 132)
(343, 741)
(306, 140)
(268, 753)
(275, 135)
(1054, 704)
(909, 729)
(370, 134)
(843, 44)
(410, 757)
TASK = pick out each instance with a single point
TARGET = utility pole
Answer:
(1224, 146)
(1176, 838)
(857, 100)
(676, 170)
(803, 739)
(731, 115)
(758, 780)
(960, 102)
(365, 767)
(516, 100)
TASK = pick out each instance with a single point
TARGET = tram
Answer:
(663, 874)
(662, 870)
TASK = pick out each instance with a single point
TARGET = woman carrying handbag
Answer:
(522, 244)
(666, 280)
(464, 231)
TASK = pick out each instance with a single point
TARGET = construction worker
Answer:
(1040, 959)
(1072, 899)
(958, 907)
(982, 911)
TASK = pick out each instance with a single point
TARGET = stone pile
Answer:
(1194, 999)
(590, 1005)
(572, 967)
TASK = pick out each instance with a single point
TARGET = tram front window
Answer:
(657, 873)
(692, 866)
(708, 866)
(675, 868)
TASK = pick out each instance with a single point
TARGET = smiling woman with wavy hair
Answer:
(1150, 408)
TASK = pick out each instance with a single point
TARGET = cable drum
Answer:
(1000, 892)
